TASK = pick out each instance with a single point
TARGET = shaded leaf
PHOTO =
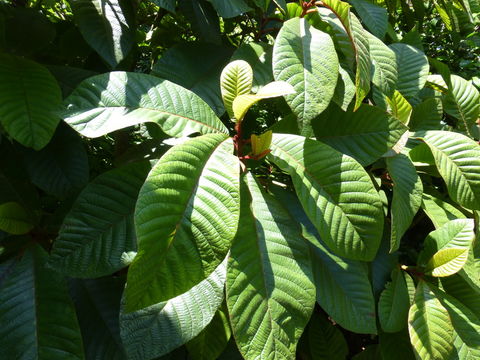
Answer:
(394, 303)
(14, 219)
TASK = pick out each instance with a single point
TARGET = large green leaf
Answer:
(373, 16)
(446, 262)
(396, 346)
(112, 101)
(427, 115)
(359, 45)
(429, 325)
(31, 98)
(460, 289)
(306, 58)
(197, 67)
(463, 102)
(231, 8)
(104, 27)
(384, 65)
(394, 303)
(458, 161)
(98, 305)
(412, 67)
(336, 193)
(186, 217)
(365, 135)
(439, 211)
(269, 281)
(203, 19)
(407, 196)
(325, 341)
(99, 227)
(343, 286)
(236, 79)
(160, 328)
(345, 89)
(14, 219)
(38, 317)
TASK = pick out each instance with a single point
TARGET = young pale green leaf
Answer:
(211, 342)
(446, 262)
(98, 303)
(359, 44)
(306, 58)
(236, 79)
(259, 56)
(197, 67)
(231, 8)
(38, 317)
(14, 219)
(31, 98)
(345, 89)
(99, 228)
(113, 101)
(458, 161)
(261, 143)
(186, 217)
(325, 341)
(365, 135)
(394, 303)
(373, 16)
(439, 211)
(268, 278)
(429, 325)
(242, 103)
(407, 196)
(463, 102)
(104, 27)
(336, 193)
(343, 286)
(412, 67)
(160, 328)
(400, 107)
(384, 65)
(427, 115)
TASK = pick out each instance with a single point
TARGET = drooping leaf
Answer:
(163, 327)
(38, 317)
(197, 67)
(305, 58)
(269, 282)
(384, 65)
(186, 217)
(412, 67)
(457, 158)
(336, 193)
(105, 28)
(231, 8)
(394, 304)
(236, 79)
(343, 286)
(98, 303)
(373, 16)
(14, 219)
(365, 135)
(407, 196)
(429, 325)
(325, 341)
(113, 101)
(259, 56)
(99, 227)
(439, 211)
(31, 98)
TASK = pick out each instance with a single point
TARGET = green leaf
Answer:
(400, 107)
(197, 67)
(396, 346)
(384, 65)
(98, 304)
(446, 262)
(343, 286)
(305, 58)
(31, 99)
(373, 16)
(61, 167)
(236, 79)
(412, 67)
(231, 8)
(259, 56)
(38, 317)
(456, 286)
(458, 161)
(99, 227)
(168, 5)
(365, 135)
(394, 303)
(261, 143)
(242, 103)
(407, 196)
(268, 278)
(160, 328)
(345, 89)
(325, 340)
(427, 115)
(439, 212)
(429, 325)
(336, 193)
(359, 45)
(104, 27)
(14, 219)
(203, 19)
(186, 217)
(116, 100)
(463, 102)
(211, 342)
